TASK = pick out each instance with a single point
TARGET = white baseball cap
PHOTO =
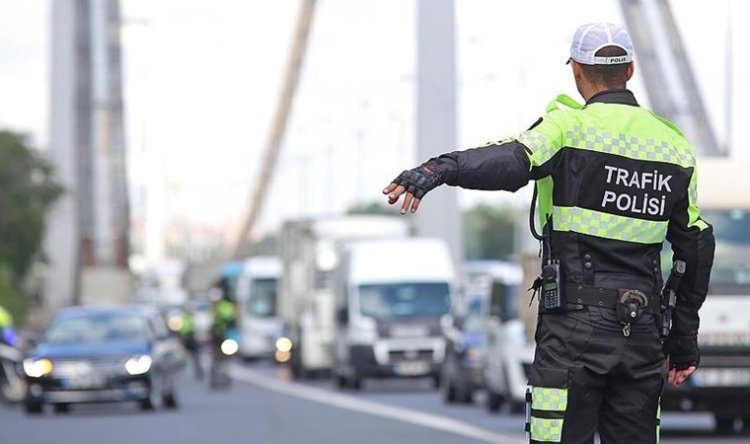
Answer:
(592, 37)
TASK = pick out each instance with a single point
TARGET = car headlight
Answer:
(229, 347)
(138, 365)
(284, 344)
(36, 368)
(175, 323)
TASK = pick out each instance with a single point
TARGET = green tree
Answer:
(489, 232)
(267, 246)
(373, 208)
(27, 189)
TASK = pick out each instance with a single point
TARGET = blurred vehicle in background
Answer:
(202, 318)
(257, 319)
(164, 285)
(229, 275)
(221, 354)
(464, 331)
(509, 352)
(100, 354)
(721, 385)
(224, 342)
(309, 250)
(173, 314)
(390, 296)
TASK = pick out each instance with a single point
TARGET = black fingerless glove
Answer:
(420, 180)
(682, 350)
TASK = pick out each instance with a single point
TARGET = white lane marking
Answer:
(373, 408)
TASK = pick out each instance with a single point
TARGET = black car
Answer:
(94, 354)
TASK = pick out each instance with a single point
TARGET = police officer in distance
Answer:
(614, 181)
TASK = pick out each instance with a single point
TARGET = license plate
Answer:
(85, 382)
(724, 377)
(412, 368)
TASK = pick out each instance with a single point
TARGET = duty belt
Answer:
(597, 296)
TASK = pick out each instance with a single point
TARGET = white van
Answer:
(257, 318)
(310, 252)
(390, 296)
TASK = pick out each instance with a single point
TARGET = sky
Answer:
(202, 78)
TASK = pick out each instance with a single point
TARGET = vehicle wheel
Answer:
(494, 401)
(449, 391)
(436, 380)
(725, 424)
(467, 395)
(150, 402)
(33, 408)
(356, 382)
(62, 407)
(169, 400)
(340, 381)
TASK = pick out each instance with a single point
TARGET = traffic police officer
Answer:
(614, 181)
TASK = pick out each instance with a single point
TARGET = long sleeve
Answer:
(692, 240)
(506, 165)
(496, 166)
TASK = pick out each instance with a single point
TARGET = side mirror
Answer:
(342, 315)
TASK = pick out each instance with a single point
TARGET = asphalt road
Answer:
(264, 406)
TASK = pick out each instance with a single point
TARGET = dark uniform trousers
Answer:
(588, 376)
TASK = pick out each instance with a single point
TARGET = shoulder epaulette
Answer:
(565, 100)
(668, 123)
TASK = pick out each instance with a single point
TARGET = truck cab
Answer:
(310, 251)
(257, 318)
(390, 297)
(721, 385)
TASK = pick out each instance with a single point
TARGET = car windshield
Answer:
(98, 328)
(262, 301)
(382, 301)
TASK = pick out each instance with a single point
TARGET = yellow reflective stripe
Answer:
(630, 146)
(694, 214)
(549, 399)
(608, 226)
(548, 430)
(537, 143)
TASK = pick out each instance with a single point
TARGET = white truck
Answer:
(390, 297)
(721, 385)
(257, 318)
(309, 251)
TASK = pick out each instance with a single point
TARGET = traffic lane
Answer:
(245, 413)
(418, 394)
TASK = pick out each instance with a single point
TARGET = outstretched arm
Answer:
(496, 166)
